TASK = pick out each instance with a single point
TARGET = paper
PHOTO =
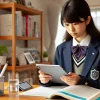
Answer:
(43, 91)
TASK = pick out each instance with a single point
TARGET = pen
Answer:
(3, 70)
(0, 66)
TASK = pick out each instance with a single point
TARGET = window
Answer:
(60, 33)
(96, 16)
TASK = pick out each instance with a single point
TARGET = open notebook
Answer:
(77, 92)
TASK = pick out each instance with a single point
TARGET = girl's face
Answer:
(77, 29)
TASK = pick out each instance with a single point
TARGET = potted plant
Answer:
(45, 56)
(3, 50)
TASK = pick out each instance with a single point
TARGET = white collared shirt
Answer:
(84, 42)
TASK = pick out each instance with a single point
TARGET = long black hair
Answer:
(72, 11)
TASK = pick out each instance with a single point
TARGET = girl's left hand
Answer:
(71, 78)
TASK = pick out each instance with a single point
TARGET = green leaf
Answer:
(3, 49)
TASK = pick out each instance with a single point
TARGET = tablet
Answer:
(55, 70)
(24, 86)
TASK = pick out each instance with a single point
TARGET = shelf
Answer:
(48, 62)
(26, 67)
(12, 8)
(5, 37)
(20, 7)
(22, 68)
(19, 38)
(26, 38)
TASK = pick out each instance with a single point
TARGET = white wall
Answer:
(43, 5)
(51, 9)
(90, 2)
(93, 2)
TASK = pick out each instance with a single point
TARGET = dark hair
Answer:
(72, 11)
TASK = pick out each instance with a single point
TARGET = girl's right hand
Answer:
(44, 78)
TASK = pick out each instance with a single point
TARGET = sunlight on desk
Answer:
(6, 96)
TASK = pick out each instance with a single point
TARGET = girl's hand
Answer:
(71, 79)
(44, 78)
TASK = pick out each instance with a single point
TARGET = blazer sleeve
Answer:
(90, 82)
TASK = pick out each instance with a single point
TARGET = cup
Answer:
(13, 87)
(1, 85)
(29, 80)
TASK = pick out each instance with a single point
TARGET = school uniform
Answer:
(90, 71)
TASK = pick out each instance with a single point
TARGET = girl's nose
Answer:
(71, 28)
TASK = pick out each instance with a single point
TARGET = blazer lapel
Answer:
(68, 57)
(90, 57)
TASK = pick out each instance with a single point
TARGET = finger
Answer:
(69, 73)
(45, 76)
(66, 79)
(41, 72)
(45, 79)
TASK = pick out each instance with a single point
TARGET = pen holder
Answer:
(1, 85)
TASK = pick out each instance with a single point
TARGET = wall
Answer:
(90, 2)
(93, 2)
(44, 5)
(51, 9)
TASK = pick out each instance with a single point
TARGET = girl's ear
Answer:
(88, 20)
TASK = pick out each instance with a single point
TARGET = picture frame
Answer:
(35, 55)
(29, 58)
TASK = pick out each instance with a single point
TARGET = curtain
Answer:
(53, 16)
(96, 17)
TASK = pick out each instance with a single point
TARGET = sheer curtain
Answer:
(96, 17)
(60, 32)
(53, 15)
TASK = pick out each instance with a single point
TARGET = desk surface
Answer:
(6, 96)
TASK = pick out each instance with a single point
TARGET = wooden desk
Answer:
(6, 96)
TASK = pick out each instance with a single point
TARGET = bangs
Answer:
(71, 17)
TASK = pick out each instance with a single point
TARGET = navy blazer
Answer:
(91, 70)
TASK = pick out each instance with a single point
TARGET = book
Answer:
(5, 1)
(19, 23)
(36, 30)
(28, 27)
(6, 24)
(76, 92)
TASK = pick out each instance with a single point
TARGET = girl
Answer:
(79, 54)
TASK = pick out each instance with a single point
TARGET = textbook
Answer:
(76, 92)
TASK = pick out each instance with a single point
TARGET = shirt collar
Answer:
(84, 42)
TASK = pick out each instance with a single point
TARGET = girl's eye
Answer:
(76, 23)
(65, 24)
